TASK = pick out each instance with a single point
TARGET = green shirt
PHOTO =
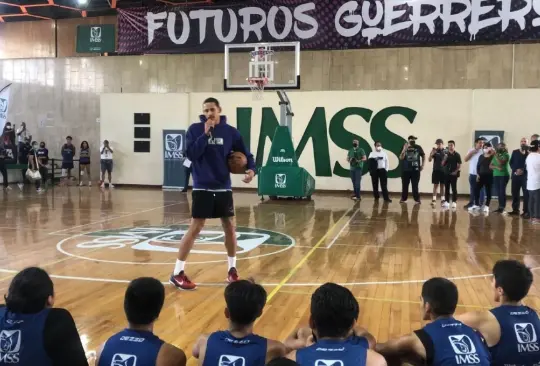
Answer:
(505, 171)
(355, 157)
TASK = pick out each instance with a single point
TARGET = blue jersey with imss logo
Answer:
(455, 343)
(325, 352)
(131, 348)
(223, 349)
(21, 338)
(519, 344)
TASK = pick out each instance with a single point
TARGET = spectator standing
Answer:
(519, 178)
(42, 160)
(484, 179)
(533, 181)
(106, 152)
(501, 174)
(535, 137)
(84, 162)
(356, 158)
(379, 165)
(3, 170)
(47, 336)
(472, 157)
(21, 135)
(437, 176)
(8, 133)
(413, 159)
(24, 149)
(68, 153)
(452, 165)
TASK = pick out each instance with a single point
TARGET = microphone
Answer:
(211, 131)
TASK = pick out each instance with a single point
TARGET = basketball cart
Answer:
(273, 66)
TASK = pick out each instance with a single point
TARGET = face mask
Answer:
(355, 145)
(378, 148)
(524, 147)
(42, 145)
(412, 142)
(34, 146)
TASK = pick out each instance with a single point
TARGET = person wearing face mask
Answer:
(533, 181)
(501, 174)
(24, 149)
(484, 179)
(413, 159)
(378, 163)
(43, 159)
(519, 178)
(356, 158)
(8, 133)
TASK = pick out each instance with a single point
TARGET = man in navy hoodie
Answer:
(208, 145)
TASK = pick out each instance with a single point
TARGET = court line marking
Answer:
(343, 228)
(386, 300)
(114, 218)
(223, 284)
(304, 259)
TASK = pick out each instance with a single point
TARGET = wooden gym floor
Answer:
(94, 242)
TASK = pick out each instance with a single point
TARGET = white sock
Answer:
(232, 262)
(435, 198)
(179, 267)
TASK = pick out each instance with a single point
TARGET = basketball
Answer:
(237, 163)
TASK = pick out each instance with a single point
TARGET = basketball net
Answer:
(257, 86)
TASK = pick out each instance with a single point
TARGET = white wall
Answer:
(168, 111)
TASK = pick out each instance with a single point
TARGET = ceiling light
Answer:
(82, 2)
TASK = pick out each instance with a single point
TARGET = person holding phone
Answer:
(106, 152)
(519, 178)
(413, 160)
(356, 158)
(437, 176)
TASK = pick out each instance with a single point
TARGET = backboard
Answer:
(278, 63)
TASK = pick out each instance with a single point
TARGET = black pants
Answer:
(43, 171)
(410, 177)
(485, 180)
(450, 181)
(382, 176)
(519, 182)
(187, 173)
(3, 170)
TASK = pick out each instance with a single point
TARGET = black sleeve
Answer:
(62, 341)
(459, 158)
(421, 152)
(428, 345)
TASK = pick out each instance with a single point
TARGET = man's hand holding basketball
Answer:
(249, 176)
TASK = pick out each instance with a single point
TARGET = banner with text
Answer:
(173, 158)
(4, 105)
(324, 24)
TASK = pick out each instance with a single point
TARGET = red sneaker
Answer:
(182, 282)
(233, 275)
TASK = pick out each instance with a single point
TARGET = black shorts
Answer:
(211, 205)
(438, 177)
(67, 165)
(106, 165)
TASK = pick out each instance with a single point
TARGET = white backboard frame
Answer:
(249, 47)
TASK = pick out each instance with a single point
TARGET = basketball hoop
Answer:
(257, 86)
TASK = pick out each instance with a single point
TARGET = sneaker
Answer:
(80, 184)
(485, 209)
(354, 198)
(39, 190)
(232, 275)
(388, 200)
(454, 205)
(514, 213)
(525, 215)
(473, 208)
(102, 185)
(499, 210)
(417, 202)
(401, 201)
(111, 185)
(443, 202)
(445, 205)
(433, 203)
(21, 185)
(89, 184)
(182, 282)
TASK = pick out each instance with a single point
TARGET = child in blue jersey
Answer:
(68, 153)
(238, 345)
(333, 337)
(84, 162)
(137, 345)
(443, 342)
(32, 332)
(512, 330)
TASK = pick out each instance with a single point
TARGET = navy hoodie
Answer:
(209, 154)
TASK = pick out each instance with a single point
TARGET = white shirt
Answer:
(473, 162)
(381, 163)
(533, 171)
(21, 135)
(107, 154)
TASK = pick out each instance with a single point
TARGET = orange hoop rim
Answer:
(257, 81)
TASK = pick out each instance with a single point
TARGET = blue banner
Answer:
(174, 155)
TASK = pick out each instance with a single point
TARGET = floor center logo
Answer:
(155, 244)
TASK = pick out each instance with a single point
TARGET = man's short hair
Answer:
(69, 138)
(451, 142)
(245, 301)
(29, 291)
(334, 310)
(143, 300)
(513, 277)
(478, 139)
(441, 294)
(212, 100)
